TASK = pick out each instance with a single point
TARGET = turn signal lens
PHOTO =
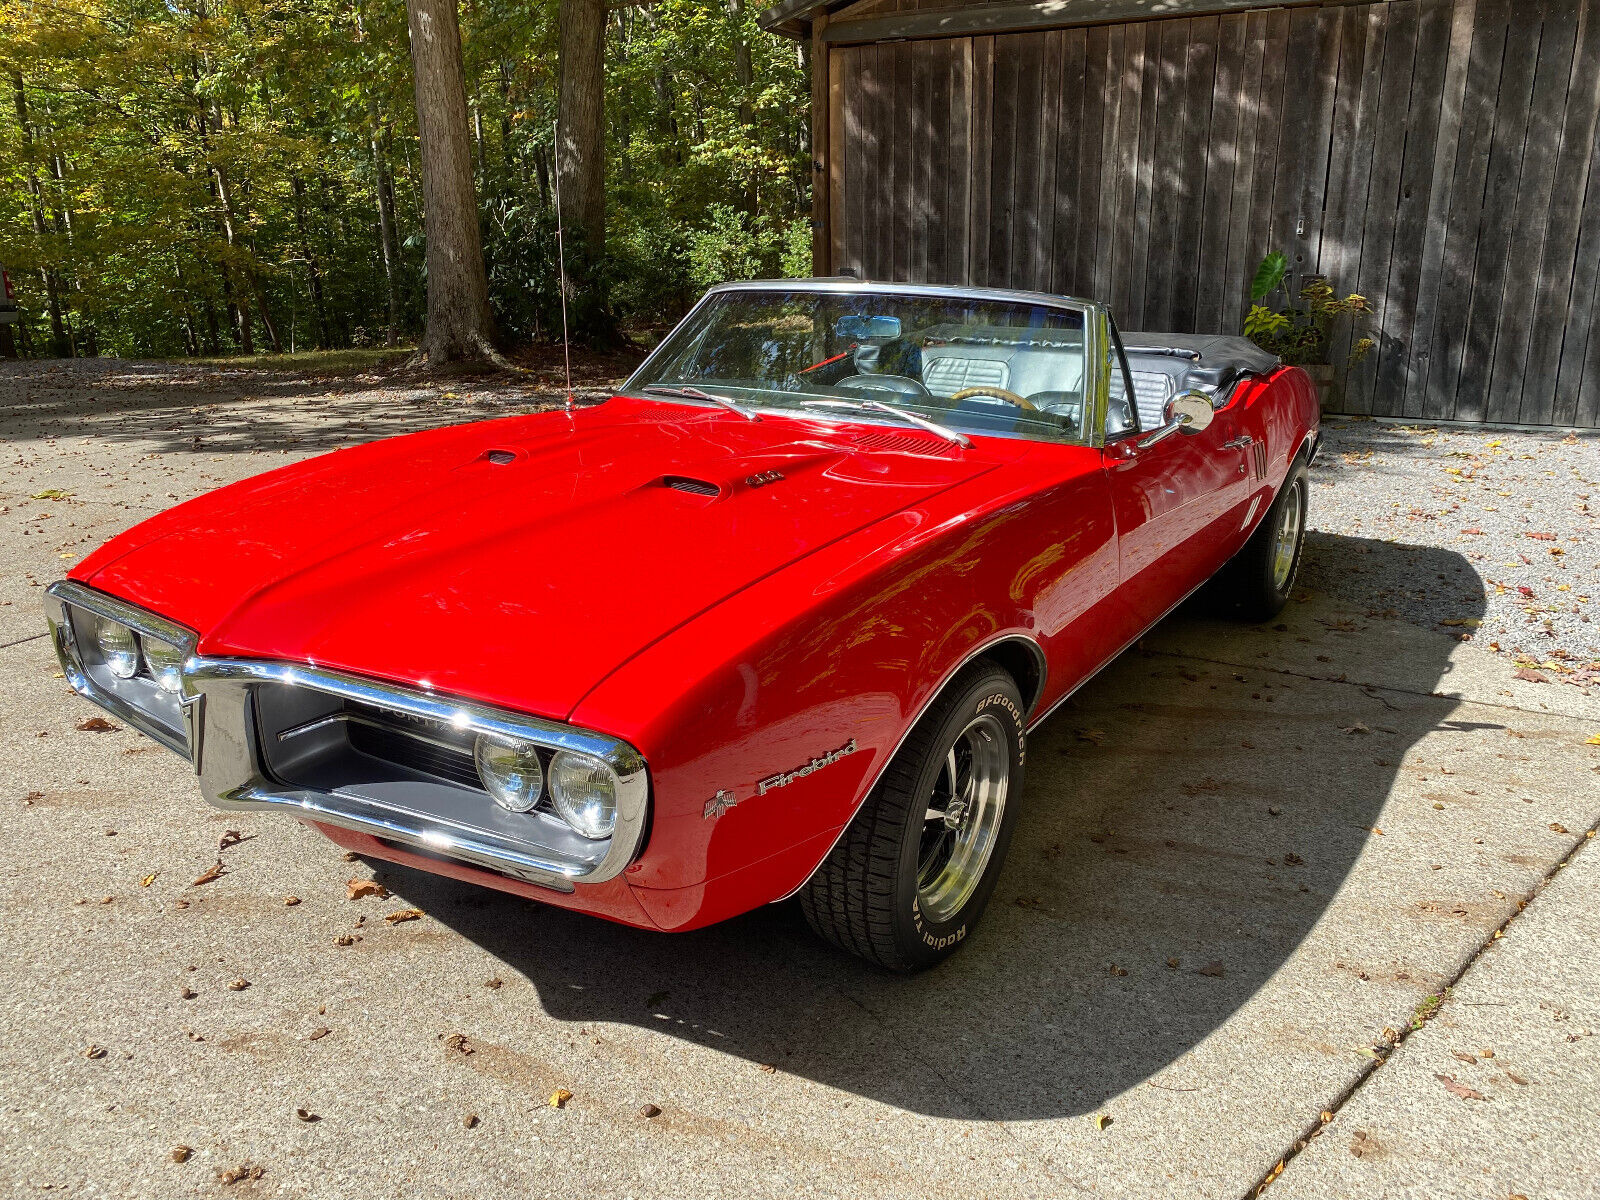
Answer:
(118, 648)
(584, 792)
(166, 663)
(510, 771)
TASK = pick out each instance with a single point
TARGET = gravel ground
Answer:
(1514, 506)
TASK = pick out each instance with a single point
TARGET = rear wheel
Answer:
(1261, 576)
(912, 873)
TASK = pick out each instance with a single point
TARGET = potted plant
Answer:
(1300, 330)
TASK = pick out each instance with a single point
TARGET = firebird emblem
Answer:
(785, 778)
(720, 803)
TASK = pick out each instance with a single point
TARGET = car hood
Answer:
(517, 561)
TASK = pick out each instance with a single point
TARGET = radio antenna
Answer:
(561, 257)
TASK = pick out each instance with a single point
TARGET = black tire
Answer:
(864, 898)
(1252, 583)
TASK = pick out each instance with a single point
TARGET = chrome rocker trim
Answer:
(219, 703)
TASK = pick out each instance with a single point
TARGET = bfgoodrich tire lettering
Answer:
(905, 885)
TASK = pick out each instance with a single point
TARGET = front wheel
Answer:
(910, 877)
(1261, 576)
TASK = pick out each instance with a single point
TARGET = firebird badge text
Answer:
(785, 778)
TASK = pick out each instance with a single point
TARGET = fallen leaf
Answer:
(1517, 1079)
(1557, 827)
(1592, 740)
(242, 1171)
(1101, 1120)
(559, 1098)
(470, 1120)
(94, 1052)
(458, 1042)
(305, 1114)
(1358, 727)
(231, 837)
(147, 880)
(494, 985)
(1172, 964)
(767, 1067)
(344, 939)
(1363, 1144)
(405, 914)
(649, 1111)
(214, 871)
(1473, 622)
(1529, 676)
(1466, 1058)
(1459, 1089)
(317, 1034)
(1543, 537)
(1118, 971)
(239, 985)
(358, 888)
(97, 725)
(1293, 860)
(181, 1153)
(1213, 969)
(290, 901)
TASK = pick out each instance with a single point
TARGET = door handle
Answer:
(1239, 443)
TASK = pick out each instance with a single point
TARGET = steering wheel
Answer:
(999, 393)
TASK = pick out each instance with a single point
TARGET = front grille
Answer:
(401, 748)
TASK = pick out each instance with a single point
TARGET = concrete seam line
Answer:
(1365, 687)
(31, 638)
(1317, 1124)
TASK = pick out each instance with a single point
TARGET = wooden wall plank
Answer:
(958, 180)
(1468, 177)
(1150, 101)
(1222, 164)
(980, 141)
(1200, 69)
(1578, 376)
(1390, 138)
(1535, 185)
(1243, 250)
(900, 122)
(1069, 217)
(1270, 122)
(1499, 209)
(1338, 253)
(1435, 219)
(1166, 159)
(1051, 85)
(1568, 258)
(1121, 177)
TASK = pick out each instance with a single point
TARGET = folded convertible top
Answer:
(1212, 361)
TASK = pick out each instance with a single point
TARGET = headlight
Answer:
(166, 663)
(584, 792)
(118, 648)
(510, 771)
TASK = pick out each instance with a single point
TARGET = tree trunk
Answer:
(459, 323)
(61, 344)
(386, 238)
(582, 111)
(313, 268)
(745, 77)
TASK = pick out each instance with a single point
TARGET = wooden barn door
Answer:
(1437, 156)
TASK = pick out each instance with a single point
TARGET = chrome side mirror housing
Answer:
(1187, 412)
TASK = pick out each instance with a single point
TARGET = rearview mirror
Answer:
(859, 328)
(1187, 412)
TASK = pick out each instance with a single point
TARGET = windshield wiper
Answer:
(944, 431)
(694, 393)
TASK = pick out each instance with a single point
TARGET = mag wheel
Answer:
(912, 873)
(1259, 579)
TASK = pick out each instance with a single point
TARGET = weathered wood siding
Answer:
(1438, 156)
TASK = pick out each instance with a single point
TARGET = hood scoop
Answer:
(687, 483)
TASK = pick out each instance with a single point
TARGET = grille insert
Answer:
(695, 487)
(384, 741)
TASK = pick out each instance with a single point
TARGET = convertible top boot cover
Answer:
(1215, 362)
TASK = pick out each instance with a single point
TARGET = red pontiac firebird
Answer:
(774, 619)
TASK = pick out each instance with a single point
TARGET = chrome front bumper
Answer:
(216, 722)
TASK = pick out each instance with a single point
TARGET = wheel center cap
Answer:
(954, 812)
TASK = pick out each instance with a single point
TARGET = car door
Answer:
(1173, 499)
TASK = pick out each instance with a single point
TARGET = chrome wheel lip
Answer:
(1286, 538)
(951, 865)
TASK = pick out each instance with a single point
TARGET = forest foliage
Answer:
(210, 176)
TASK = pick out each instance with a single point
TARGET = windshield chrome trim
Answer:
(1095, 336)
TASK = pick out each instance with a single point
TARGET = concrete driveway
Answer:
(1274, 887)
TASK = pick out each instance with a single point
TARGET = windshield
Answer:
(975, 366)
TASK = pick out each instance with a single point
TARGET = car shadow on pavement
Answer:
(1187, 823)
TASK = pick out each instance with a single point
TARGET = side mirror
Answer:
(1187, 412)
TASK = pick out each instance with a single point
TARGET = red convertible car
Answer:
(773, 620)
